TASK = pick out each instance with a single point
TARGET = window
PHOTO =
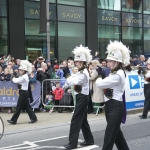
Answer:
(72, 2)
(146, 42)
(50, 1)
(32, 10)
(70, 35)
(105, 34)
(132, 37)
(109, 4)
(109, 17)
(146, 6)
(132, 6)
(132, 19)
(3, 28)
(36, 44)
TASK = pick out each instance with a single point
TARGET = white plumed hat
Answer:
(26, 65)
(148, 61)
(118, 52)
(82, 54)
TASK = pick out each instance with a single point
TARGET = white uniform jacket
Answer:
(23, 81)
(81, 78)
(115, 81)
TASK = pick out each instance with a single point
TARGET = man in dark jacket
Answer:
(50, 69)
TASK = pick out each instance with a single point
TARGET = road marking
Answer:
(8, 148)
(33, 146)
(88, 147)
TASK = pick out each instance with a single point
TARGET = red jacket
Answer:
(58, 92)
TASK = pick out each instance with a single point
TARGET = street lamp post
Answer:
(48, 30)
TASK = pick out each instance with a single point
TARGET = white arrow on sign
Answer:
(133, 82)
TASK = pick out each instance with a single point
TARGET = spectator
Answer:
(58, 94)
(6, 76)
(60, 75)
(65, 69)
(50, 68)
(9, 66)
(105, 69)
(135, 60)
(8, 59)
(2, 64)
(55, 62)
(54, 74)
(5, 59)
(97, 94)
(12, 60)
(18, 61)
(32, 75)
(142, 65)
(42, 74)
(38, 62)
(15, 71)
(1, 72)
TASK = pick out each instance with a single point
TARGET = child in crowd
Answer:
(49, 103)
(58, 93)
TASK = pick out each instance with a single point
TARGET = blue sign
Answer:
(9, 94)
(135, 104)
(134, 82)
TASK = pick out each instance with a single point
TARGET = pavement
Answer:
(45, 120)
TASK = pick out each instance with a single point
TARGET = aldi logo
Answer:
(134, 82)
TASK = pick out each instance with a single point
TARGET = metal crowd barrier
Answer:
(66, 99)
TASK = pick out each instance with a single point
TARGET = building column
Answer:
(92, 25)
(16, 28)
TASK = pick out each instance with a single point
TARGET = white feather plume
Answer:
(148, 61)
(28, 64)
(119, 46)
(84, 50)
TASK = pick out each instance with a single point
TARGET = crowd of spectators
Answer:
(45, 69)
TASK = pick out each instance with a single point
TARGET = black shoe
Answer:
(86, 143)
(69, 146)
(143, 117)
(32, 121)
(10, 121)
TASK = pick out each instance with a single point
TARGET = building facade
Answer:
(92, 23)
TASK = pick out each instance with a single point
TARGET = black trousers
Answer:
(79, 121)
(147, 99)
(23, 102)
(113, 133)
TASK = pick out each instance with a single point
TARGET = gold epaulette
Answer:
(81, 71)
(67, 76)
(114, 72)
(98, 77)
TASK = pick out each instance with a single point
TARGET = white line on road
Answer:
(13, 147)
(88, 147)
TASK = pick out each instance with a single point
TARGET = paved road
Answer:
(54, 136)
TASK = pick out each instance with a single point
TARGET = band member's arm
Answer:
(77, 80)
(18, 80)
(108, 82)
(147, 75)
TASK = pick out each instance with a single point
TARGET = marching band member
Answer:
(80, 81)
(23, 101)
(114, 85)
(146, 91)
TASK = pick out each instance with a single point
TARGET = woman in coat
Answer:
(97, 93)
